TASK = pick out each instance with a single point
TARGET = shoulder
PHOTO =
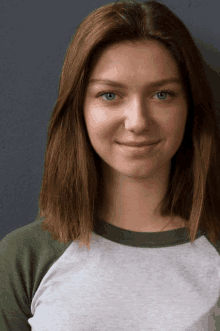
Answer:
(26, 254)
(29, 240)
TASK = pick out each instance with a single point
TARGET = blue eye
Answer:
(112, 93)
(107, 93)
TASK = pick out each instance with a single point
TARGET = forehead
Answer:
(150, 61)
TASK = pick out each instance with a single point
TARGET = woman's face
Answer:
(136, 110)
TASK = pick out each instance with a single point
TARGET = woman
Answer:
(148, 214)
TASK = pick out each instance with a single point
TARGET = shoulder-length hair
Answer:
(71, 192)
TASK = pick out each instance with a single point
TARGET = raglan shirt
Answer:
(126, 281)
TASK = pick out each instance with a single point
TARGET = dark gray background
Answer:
(34, 39)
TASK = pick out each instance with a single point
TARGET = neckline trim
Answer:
(143, 239)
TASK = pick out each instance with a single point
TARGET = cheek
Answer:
(97, 125)
(99, 122)
(94, 116)
(175, 126)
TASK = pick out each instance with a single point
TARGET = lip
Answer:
(133, 144)
(138, 150)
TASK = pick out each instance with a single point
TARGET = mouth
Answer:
(138, 145)
(137, 150)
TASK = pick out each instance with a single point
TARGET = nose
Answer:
(137, 118)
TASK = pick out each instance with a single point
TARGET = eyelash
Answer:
(111, 92)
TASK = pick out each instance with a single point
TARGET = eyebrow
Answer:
(120, 85)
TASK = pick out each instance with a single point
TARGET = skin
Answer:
(135, 184)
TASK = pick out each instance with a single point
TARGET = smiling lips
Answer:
(136, 144)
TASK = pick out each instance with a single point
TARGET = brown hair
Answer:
(71, 192)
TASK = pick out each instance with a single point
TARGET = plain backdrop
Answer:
(34, 39)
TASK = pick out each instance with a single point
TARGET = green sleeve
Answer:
(14, 297)
(26, 255)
